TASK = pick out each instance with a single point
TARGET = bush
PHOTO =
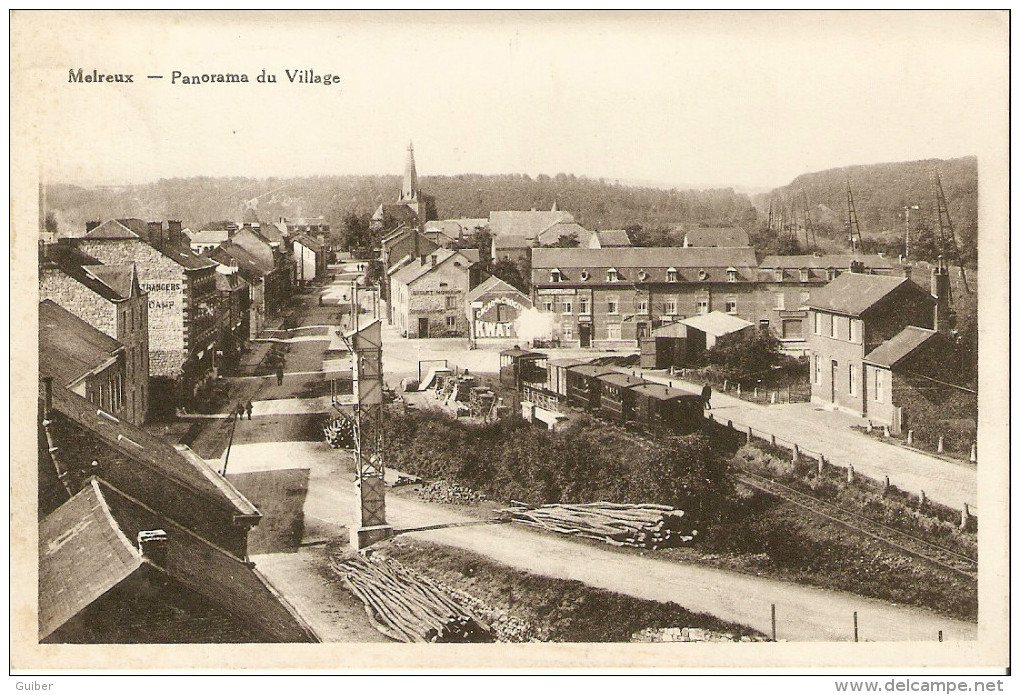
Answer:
(751, 352)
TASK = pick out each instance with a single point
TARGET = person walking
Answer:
(248, 409)
(240, 411)
(279, 374)
(706, 396)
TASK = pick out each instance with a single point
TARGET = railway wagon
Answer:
(519, 368)
(616, 399)
(664, 409)
(583, 388)
(556, 381)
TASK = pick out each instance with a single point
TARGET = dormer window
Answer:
(612, 275)
(642, 275)
(804, 274)
(555, 275)
(585, 275)
(779, 274)
(672, 275)
(702, 274)
(731, 275)
(830, 274)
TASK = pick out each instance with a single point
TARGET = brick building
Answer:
(787, 283)
(850, 319)
(182, 298)
(429, 295)
(615, 296)
(110, 299)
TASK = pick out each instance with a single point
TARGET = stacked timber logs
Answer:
(340, 433)
(649, 526)
(406, 606)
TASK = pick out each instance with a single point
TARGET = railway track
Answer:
(904, 542)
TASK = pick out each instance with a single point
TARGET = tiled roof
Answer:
(309, 243)
(417, 269)
(210, 236)
(855, 293)
(511, 241)
(70, 348)
(230, 282)
(137, 229)
(494, 284)
(529, 223)
(152, 453)
(560, 230)
(717, 236)
(68, 260)
(716, 323)
(82, 554)
(835, 261)
(612, 238)
(647, 258)
(249, 266)
(899, 347)
(122, 277)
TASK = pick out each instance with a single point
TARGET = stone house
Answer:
(430, 295)
(254, 274)
(273, 256)
(182, 297)
(233, 316)
(110, 299)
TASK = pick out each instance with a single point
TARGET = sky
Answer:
(749, 99)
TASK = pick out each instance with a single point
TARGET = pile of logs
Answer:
(648, 526)
(340, 433)
(405, 606)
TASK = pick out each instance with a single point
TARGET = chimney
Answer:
(940, 290)
(153, 546)
(856, 267)
(422, 259)
(174, 227)
(90, 225)
(156, 233)
(433, 260)
(47, 396)
(908, 270)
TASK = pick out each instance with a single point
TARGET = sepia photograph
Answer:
(565, 340)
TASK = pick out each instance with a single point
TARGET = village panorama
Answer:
(505, 409)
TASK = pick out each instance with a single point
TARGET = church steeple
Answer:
(409, 192)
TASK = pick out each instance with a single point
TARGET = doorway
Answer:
(832, 381)
(423, 328)
(584, 333)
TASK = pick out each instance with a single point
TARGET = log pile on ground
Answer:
(406, 606)
(648, 526)
(449, 493)
(340, 433)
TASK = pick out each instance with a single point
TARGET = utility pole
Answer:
(853, 229)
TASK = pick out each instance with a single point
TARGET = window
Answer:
(850, 379)
(503, 313)
(451, 322)
(851, 325)
(669, 307)
(804, 274)
(832, 326)
(731, 275)
(642, 306)
(879, 385)
(780, 300)
(554, 275)
(547, 305)
(818, 323)
(793, 328)
(779, 274)
(567, 331)
(583, 305)
(613, 331)
(830, 274)
(703, 306)
(613, 305)
(585, 275)
(731, 305)
(612, 275)
(451, 302)
(672, 275)
(568, 306)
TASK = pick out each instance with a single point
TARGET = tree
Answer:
(748, 353)
(429, 207)
(356, 232)
(510, 272)
(567, 241)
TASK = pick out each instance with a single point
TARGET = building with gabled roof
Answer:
(493, 309)
(81, 358)
(428, 294)
(110, 299)
(251, 270)
(273, 255)
(112, 570)
(208, 239)
(310, 258)
(182, 300)
(858, 315)
(407, 210)
(516, 232)
(446, 233)
(609, 239)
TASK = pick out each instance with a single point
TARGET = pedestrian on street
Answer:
(279, 374)
(706, 396)
(247, 409)
(240, 411)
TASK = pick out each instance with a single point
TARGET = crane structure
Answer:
(365, 346)
(810, 240)
(853, 228)
(948, 248)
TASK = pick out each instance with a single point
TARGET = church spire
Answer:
(555, 207)
(409, 193)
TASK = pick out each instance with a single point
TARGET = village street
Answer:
(285, 433)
